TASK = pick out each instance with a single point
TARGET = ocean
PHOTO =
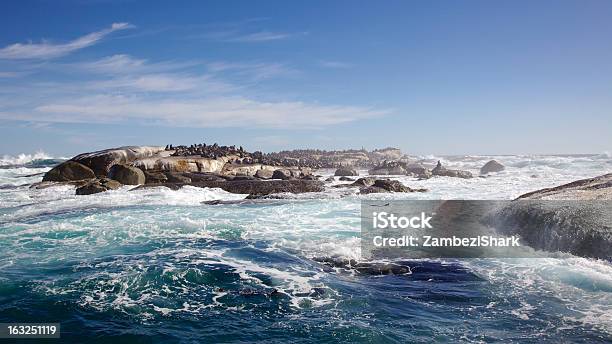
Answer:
(159, 266)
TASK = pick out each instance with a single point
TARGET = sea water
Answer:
(156, 265)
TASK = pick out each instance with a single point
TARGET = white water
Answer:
(312, 227)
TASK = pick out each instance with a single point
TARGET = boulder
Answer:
(283, 174)
(154, 177)
(127, 175)
(69, 171)
(101, 161)
(346, 179)
(97, 186)
(491, 166)
(345, 171)
(264, 174)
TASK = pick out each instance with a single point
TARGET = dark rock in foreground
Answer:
(574, 218)
(491, 166)
(69, 171)
(584, 189)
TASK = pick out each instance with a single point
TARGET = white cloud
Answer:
(211, 112)
(46, 50)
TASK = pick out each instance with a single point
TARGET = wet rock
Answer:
(127, 175)
(344, 171)
(346, 179)
(491, 166)
(330, 179)
(69, 171)
(97, 186)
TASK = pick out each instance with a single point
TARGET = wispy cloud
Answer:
(253, 70)
(124, 64)
(47, 50)
(334, 64)
(173, 82)
(262, 36)
(225, 111)
(125, 89)
(250, 37)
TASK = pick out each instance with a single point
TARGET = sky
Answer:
(429, 77)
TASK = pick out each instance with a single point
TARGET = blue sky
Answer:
(430, 77)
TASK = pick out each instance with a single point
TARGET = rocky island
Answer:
(230, 168)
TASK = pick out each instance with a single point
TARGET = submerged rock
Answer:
(69, 171)
(491, 166)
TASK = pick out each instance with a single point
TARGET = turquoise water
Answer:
(159, 266)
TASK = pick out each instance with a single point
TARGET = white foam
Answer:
(21, 159)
